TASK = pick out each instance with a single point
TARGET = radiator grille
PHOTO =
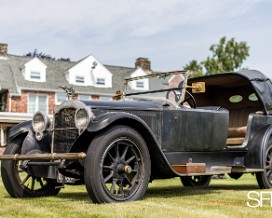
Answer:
(65, 131)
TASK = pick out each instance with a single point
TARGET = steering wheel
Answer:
(188, 98)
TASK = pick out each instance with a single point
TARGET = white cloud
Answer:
(169, 32)
(135, 18)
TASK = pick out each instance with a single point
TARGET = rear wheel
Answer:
(117, 166)
(264, 178)
(196, 181)
(19, 183)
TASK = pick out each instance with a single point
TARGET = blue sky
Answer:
(168, 32)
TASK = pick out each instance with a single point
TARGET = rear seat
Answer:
(238, 125)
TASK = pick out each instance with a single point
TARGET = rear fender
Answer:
(256, 147)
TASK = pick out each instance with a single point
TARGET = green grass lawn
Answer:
(164, 198)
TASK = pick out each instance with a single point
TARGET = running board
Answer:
(246, 170)
(51, 156)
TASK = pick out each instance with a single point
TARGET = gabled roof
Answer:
(11, 77)
(34, 60)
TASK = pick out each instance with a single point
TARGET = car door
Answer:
(189, 129)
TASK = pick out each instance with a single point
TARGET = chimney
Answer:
(144, 63)
(3, 49)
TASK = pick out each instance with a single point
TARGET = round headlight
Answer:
(82, 118)
(40, 122)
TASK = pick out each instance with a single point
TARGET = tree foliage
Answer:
(42, 55)
(226, 56)
(195, 67)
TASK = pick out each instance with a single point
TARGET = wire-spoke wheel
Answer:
(117, 166)
(19, 183)
(264, 178)
(196, 181)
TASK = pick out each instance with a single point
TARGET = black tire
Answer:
(264, 178)
(196, 181)
(19, 183)
(117, 166)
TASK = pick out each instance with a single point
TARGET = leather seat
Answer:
(238, 124)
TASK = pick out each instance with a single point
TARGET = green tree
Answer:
(226, 56)
(195, 67)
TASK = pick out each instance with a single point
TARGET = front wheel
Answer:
(117, 166)
(196, 181)
(19, 183)
(264, 178)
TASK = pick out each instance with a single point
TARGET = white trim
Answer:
(12, 117)
(59, 90)
(4, 136)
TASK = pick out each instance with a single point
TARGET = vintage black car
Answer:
(219, 124)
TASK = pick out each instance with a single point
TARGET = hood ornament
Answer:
(70, 92)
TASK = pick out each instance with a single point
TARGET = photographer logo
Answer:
(259, 199)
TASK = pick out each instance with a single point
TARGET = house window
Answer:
(84, 97)
(100, 81)
(140, 84)
(80, 79)
(60, 97)
(34, 75)
(37, 103)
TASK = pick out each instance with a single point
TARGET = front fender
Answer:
(24, 135)
(104, 120)
(20, 129)
(161, 167)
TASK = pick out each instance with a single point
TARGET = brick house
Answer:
(30, 84)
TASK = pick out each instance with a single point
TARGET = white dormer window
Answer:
(89, 72)
(100, 81)
(34, 70)
(80, 79)
(140, 84)
(34, 75)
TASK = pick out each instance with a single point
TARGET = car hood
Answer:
(137, 105)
